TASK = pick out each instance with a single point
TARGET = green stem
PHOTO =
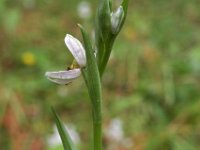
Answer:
(92, 79)
(97, 120)
(106, 55)
(97, 133)
(96, 112)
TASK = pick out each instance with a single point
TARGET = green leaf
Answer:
(125, 6)
(93, 78)
(66, 140)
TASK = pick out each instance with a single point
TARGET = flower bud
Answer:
(104, 18)
(116, 20)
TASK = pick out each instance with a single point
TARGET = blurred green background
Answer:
(151, 87)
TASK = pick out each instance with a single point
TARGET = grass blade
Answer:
(66, 140)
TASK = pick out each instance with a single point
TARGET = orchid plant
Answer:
(91, 61)
(67, 76)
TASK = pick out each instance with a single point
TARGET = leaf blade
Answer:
(64, 135)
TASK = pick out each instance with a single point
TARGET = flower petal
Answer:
(63, 77)
(76, 48)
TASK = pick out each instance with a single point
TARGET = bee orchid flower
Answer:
(67, 76)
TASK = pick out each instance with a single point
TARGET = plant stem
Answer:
(97, 133)
(97, 123)
(96, 113)
(92, 79)
(106, 55)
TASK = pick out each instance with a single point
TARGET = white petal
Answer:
(63, 77)
(76, 49)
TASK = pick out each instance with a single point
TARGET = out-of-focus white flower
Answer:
(84, 10)
(73, 133)
(63, 77)
(114, 131)
(115, 137)
(54, 139)
(67, 76)
(116, 19)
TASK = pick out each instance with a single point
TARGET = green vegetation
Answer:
(151, 82)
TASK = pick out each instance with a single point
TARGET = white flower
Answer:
(63, 77)
(84, 10)
(67, 76)
(115, 131)
(76, 48)
(116, 19)
(54, 139)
